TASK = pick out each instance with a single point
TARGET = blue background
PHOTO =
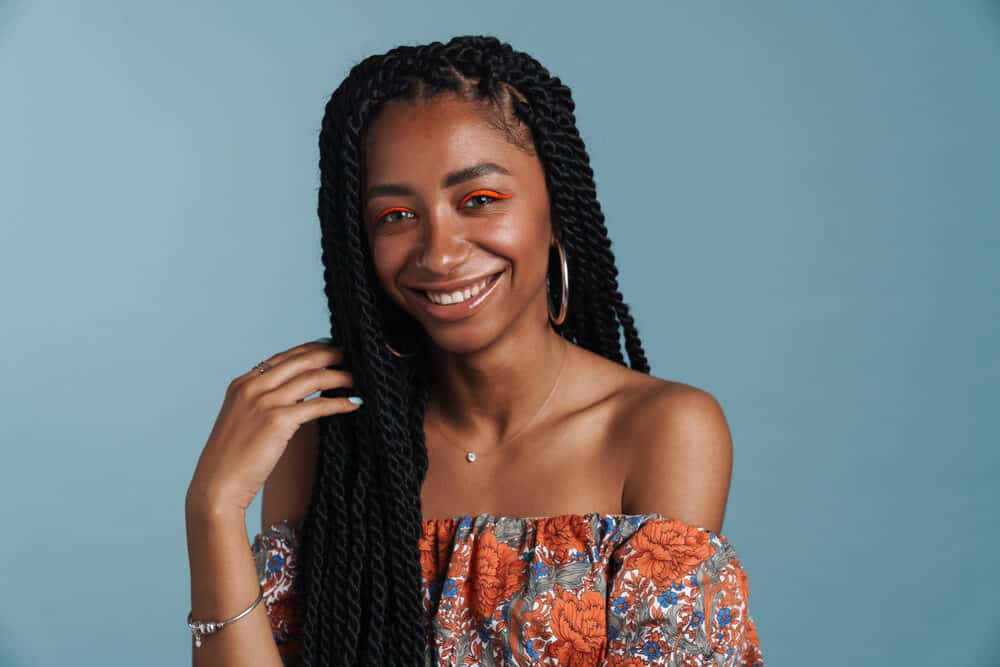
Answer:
(803, 199)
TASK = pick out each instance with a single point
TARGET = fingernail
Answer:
(357, 400)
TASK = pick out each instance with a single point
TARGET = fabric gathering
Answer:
(581, 590)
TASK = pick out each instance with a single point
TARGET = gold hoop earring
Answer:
(564, 292)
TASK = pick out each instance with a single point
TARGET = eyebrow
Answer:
(454, 178)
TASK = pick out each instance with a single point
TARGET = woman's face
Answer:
(450, 203)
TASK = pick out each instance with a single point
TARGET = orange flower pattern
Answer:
(578, 590)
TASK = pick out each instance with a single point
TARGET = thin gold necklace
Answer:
(470, 455)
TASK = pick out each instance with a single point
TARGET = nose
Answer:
(442, 244)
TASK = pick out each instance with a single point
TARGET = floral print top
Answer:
(580, 590)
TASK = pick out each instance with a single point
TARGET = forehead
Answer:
(429, 137)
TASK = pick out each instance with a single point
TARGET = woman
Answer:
(503, 488)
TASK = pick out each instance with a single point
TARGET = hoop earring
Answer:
(564, 293)
(398, 354)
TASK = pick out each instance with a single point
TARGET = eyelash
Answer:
(492, 195)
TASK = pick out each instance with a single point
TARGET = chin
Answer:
(462, 340)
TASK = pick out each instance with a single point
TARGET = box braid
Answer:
(360, 574)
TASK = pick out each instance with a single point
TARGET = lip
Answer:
(453, 285)
(458, 311)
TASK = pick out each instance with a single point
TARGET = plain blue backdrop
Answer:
(803, 199)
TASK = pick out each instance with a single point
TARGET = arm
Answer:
(223, 583)
(223, 574)
(259, 423)
(680, 583)
(679, 595)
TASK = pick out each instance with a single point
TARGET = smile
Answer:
(459, 303)
(458, 296)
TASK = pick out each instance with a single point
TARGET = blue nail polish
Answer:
(357, 400)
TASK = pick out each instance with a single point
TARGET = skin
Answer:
(610, 440)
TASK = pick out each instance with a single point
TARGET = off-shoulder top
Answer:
(621, 590)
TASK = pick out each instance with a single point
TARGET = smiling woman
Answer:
(512, 491)
(452, 206)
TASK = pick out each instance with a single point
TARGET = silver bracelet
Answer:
(201, 628)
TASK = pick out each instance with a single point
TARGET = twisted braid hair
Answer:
(360, 574)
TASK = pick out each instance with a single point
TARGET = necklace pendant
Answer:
(470, 456)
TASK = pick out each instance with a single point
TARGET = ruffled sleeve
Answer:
(274, 553)
(678, 596)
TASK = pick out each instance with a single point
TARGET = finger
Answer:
(304, 384)
(294, 366)
(306, 348)
(319, 407)
(278, 370)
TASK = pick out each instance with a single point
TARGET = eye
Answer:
(384, 215)
(484, 198)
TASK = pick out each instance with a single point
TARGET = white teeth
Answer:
(446, 298)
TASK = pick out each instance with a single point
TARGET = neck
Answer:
(491, 394)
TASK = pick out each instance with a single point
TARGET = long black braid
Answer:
(360, 575)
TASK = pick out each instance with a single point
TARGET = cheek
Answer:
(525, 242)
(388, 259)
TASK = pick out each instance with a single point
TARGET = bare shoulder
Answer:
(680, 452)
(288, 489)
